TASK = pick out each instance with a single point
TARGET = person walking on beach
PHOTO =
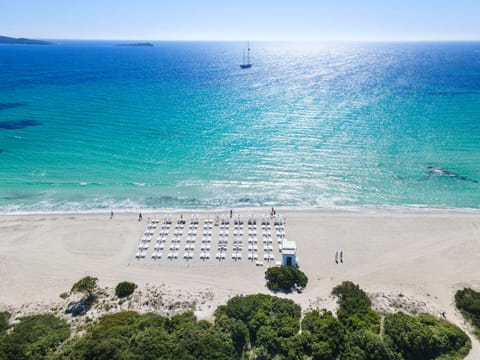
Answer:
(336, 257)
(111, 214)
(341, 256)
(140, 217)
(231, 214)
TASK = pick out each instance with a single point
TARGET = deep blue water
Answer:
(88, 125)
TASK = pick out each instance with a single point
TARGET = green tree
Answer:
(239, 334)
(468, 302)
(150, 344)
(34, 337)
(86, 285)
(327, 332)
(268, 338)
(426, 337)
(284, 278)
(355, 310)
(365, 345)
(4, 317)
(412, 338)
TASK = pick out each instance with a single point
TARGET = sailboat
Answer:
(247, 64)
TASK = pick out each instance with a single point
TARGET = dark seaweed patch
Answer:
(5, 106)
(17, 196)
(18, 124)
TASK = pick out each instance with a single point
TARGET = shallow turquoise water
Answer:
(87, 125)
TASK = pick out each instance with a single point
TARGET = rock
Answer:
(77, 308)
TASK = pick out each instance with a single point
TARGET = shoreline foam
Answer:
(420, 209)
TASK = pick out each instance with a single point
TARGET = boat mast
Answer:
(243, 56)
(248, 52)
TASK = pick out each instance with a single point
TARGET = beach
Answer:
(415, 261)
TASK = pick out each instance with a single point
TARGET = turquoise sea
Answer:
(91, 126)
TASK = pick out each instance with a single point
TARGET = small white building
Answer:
(289, 253)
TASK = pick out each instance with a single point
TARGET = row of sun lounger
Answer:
(222, 245)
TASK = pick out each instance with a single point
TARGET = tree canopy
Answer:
(86, 285)
(4, 316)
(34, 337)
(284, 278)
(468, 302)
(254, 326)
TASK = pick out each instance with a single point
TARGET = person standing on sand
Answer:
(111, 214)
(341, 256)
(140, 217)
(231, 214)
(336, 257)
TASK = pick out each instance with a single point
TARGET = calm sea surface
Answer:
(88, 125)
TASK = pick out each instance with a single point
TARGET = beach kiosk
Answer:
(289, 253)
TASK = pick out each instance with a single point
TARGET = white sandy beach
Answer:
(425, 257)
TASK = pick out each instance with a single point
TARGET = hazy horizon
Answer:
(306, 41)
(209, 20)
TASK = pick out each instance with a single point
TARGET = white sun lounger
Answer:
(204, 255)
(259, 263)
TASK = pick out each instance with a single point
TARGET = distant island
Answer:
(24, 41)
(137, 44)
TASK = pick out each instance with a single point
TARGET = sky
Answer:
(308, 20)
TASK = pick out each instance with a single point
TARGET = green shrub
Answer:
(124, 289)
(34, 337)
(264, 322)
(327, 332)
(4, 317)
(64, 295)
(365, 345)
(129, 335)
(284, 278)
(468, 302)
(355, 310)
(425, 337)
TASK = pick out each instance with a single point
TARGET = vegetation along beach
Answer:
(196, 180)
